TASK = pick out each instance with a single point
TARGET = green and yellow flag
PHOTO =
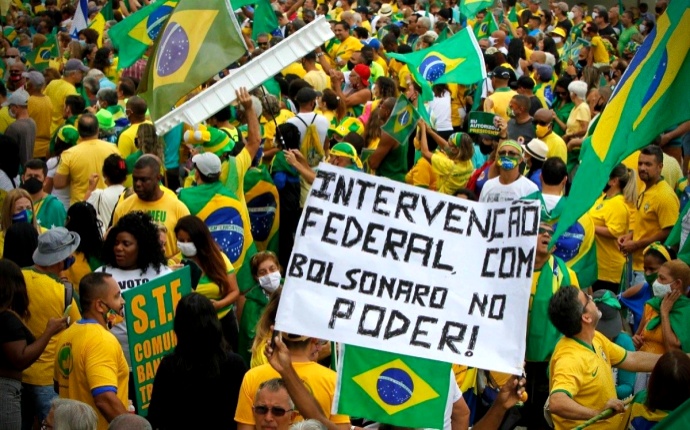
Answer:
(200, 39)
(392, 389)
(263, 204)
(650, 98)
(679, 419)
(470, 8)
(457, 60)
(133, 35)
(40, 57)
(403, 120)
(484, 29)
(264, 20)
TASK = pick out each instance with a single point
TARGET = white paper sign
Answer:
(385, 265)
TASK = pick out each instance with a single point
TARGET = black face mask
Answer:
(599, 107)
(485, 149)
(350, 65)
(606, 188)
(32, 185)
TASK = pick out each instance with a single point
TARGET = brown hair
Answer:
(259, 258)
(8, 208)
(268, 318)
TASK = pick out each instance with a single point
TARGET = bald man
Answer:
(136, 113)
(498, 38)
(543, 121)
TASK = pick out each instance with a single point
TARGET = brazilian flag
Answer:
(133, 35)
(403, 120)
(456, 60)
(228, 221)
(651, 97)
(40, 57)
(470, 8)
(264, 20)
(263, 204)
(486, 27)
(638, 416)
(392, 388)
(577, 246)
(200, 39)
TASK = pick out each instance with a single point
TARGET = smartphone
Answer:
(273, 339)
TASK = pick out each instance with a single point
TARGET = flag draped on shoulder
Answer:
(133, 35)
(403, 120)
(470, 8)
(457, 60)
(392, 388)
(200, 39)
(650, 98)
(81, 19)
(40, 57)
(263, 204)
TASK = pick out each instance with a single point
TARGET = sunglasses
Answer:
(508, 153)
(275, 411)
(543, 230)
(537, 122)
(10, 56)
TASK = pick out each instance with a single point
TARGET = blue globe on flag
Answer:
(173, 50)
(569, 244)
(394, 386)
(155, 21)
(432, 68)
(227, 229)
(262, 214)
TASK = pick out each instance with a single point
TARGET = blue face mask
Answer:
(26, 215)
(507, 163)
(82, 43)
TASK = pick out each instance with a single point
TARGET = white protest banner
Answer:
(388, 266)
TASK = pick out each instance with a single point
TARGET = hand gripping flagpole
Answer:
(250, 76)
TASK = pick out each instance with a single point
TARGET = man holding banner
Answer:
(90, 365)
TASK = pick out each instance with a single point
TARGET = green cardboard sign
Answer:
(149, 313)
(483, 123)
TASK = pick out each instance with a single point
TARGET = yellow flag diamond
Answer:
(395, 387)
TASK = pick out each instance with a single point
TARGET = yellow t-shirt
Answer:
(403, 74)
(40, 108)
(612, 213)
(46, 301)
(125, 143)
(80, 161)
(209, 289)
(166, 210)
(382, 62)
(259, 357)
(320, 381)
(421, 175)
(345, 49)
(599, 51)
(57, 91)
(583, 372)
(579, 113)
(457, 102)
(653, 339)
(501, 98)
(5, 118)
(450, 175)
(78, 270)
(318, 79)
(270, 126)
(89, 358)
(657, 208)
(557, 147)
(294, 69)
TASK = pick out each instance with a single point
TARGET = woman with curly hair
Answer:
(133, 256)
(217, 281)
(83, 220)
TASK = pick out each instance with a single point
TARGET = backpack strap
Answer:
(69, 293)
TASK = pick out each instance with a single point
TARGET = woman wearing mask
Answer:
(17, 208)
(266, 271)
(133, 256)
(82, 219)
(202, 374)
(611, 218)
(562, 106)
(217, 282)
(664, 325)
(453, 166)
(19, 349)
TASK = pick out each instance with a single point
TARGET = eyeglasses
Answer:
(275, 410)
(588, 299)
(508, 153)
(538, 122)
(543, 230)
(10, 56)
(263, 43)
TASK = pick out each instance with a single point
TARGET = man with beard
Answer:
(581, 378)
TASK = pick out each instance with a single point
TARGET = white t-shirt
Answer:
(63, 194)
(495, 191)
(320, 121)
(440, 106)
(550, 201)
(6, 183)
(128, 279)
(104, 201)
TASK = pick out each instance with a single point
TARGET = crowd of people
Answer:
(93, 202)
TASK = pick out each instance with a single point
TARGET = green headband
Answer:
(608, 299)
(511, 143)
(658, 247)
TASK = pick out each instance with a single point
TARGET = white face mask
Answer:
(643, 28)
(338, 4)
(660, 290)
(492, 40)
(594, 15)
(10, 62)
(557, 40)
(188, 249)
(270, 282)
(571, 16)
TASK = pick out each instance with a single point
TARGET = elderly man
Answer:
(70, 414)
(273, 408)
(58, 90)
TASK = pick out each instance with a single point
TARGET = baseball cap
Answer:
(68, 134)
(55, 245)
(305, 95)
(36, 78)
(363, 71)
(105, 119)
(74, 64)
(362, 9)
(374, 44)
(611, 323)
(501, 72)
(18, 98)
(545, 72)
(537, 149)
(558, 31)
(386, 10)
(208, 163)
